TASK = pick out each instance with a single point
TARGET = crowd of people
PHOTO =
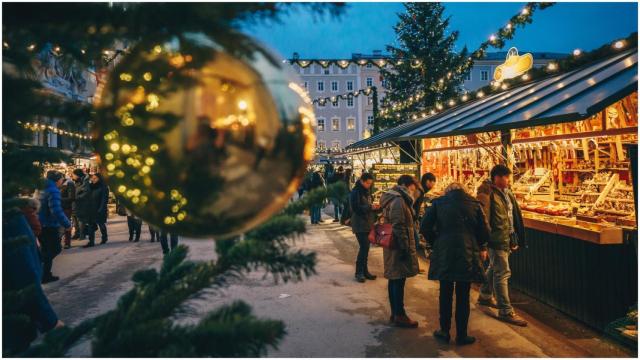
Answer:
(469, 240)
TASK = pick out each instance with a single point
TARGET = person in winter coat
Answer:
(338, 207)
(315, 211)
(457, 231)
(361, 223)
(507, 235)
(154, 232)
(134, 224)
(52, 218)
(30, 212)
(400, 261)
(99, 199)
(82, 205)
(68, 195)
(427, 182)
(22, 269)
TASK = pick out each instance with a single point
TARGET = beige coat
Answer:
(401, 261)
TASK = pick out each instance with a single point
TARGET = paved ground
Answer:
(327, 315)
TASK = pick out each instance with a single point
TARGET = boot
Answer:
(442, 335)
(90, 244)
(369, 276)
(404, 322)
(465, 340)
(360, 278)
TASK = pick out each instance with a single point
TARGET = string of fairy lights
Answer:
(35, 127)
(350, 95)
(495, 40)
(497, 86)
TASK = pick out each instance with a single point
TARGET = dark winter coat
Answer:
(68, 195)
(21, 268)
(455, 227)
(30, 212)
(362, 216)
(496, 209)
(99, 203)
(82, 204)
(401, 261)
(316, 181)
(51, 213)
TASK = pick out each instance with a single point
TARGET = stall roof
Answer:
(564, 97)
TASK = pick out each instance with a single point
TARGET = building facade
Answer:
(344, 122)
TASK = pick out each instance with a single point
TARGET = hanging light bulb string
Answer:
(35, 126)
(323, 100)
(577, 59)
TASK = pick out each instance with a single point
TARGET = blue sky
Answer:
(364, 27)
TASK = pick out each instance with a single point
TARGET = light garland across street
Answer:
(42, 127)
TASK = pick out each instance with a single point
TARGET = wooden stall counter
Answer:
(595, 233)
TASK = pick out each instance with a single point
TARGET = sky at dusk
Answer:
(364, 27)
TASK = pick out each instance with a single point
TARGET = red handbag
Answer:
(381, 234)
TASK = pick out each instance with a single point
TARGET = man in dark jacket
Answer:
(82, 203)
(98, 211)
(52, 218)
(457, 231)
(68, 196)
(21, 269)
(315, 182)
(507, 235)
(361, 223)
(337, 204)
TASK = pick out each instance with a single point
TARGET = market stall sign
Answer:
(514, 65)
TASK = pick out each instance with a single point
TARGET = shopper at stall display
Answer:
(400, 260)
(456, 229)
(427, 182)
(362, 217)
(99, 198)
(316, 181)
(82, 204)
(338, 206)
(68, 195)
(52, 218)
(506, 235)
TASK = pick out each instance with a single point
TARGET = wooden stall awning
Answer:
(565, 97)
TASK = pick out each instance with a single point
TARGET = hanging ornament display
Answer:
(200, 142)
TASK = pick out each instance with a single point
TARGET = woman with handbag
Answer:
(456, 228)
(400, 258)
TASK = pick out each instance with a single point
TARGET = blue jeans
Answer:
(337, 209)
(498, 275)
(315, 214)
(396, 296)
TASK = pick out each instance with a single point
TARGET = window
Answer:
(369, 81)
(320, 124)
(369, 66)
(370, 120)
(351, 123)
(384, 83)
(334, 86)
(320, 85)
(349, 85)
(326, 71)
(321, 144)
(484, 75)
(350, 101)
(335, 124)
(335, 144)
(467, 77)
(370, 100)
(335, 104)
(306, 85)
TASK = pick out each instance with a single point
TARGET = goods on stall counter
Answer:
(536, 183)
(541, 207)
(618, 201)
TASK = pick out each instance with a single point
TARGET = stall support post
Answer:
(507, 147)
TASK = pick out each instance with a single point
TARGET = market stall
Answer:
(565, 138)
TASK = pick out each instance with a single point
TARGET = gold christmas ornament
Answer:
(200, 142)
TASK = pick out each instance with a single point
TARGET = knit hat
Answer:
(78, 172)
(54, 175)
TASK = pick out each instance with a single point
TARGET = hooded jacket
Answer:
(401, 261)
(51, 214)
(457, 231)
(496, 209)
